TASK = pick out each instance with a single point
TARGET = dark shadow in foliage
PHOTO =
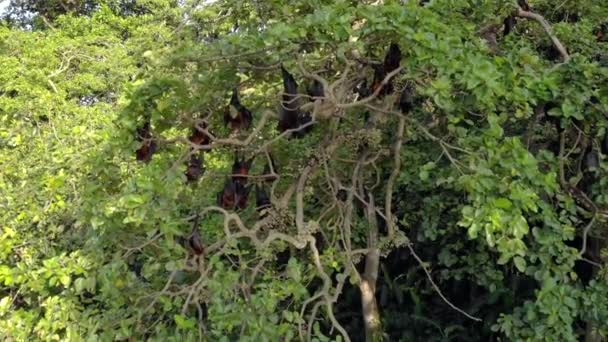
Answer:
(601, 33)
(604, 144)
(584, 270)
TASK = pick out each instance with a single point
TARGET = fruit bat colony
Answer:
(292, 121)
(234, 194)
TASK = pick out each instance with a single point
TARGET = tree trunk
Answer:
(367, 286)
(591, 334)
(593, 251)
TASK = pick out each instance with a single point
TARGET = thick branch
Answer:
(547, 27)
(367, 286)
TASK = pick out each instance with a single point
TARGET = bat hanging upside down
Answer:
(241, 120)
(148, 144)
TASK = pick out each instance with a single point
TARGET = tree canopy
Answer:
(310, 170)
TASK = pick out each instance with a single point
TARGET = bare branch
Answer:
(585, 233)
(326, 287)
(375, 94)
(547, 27)
(132, 250)
(430, 278)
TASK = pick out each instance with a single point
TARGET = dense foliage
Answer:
(438, 174)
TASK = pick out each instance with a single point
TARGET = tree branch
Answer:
(430, 278)
(367, 286)
(391, 180)
(547, 27)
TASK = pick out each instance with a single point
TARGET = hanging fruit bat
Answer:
(262, 201)
(509, 24)
(391, 63)
(290, 117)
(240, 169)
(242, 194)
(368, 122)
(142, 133)
(406, 99)
(341, 195)
(363, 90)
(199, 137)
(290, 85)
(243, 117)
(288, 111)
(227, 197)
(145, 152)
(195, 243)
(604, 146)
(303, 118)
(591, 166)
(315, 90)
(195, 168)
(601, 33)
(379, 75)
(523, 4)
(148, 147)
(392, 58)
(234, 195)
(511, 20)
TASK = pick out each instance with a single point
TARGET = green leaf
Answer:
(504, 258)
(133, 201)
(424, 175)
(503, 203)
(520, 263)
(5, 303)
(184, 322)
(570, 302)
(79, 285)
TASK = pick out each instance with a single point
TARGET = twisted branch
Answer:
(547, 27)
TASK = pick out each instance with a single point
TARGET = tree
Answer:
(437, 174)
(41, 14)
